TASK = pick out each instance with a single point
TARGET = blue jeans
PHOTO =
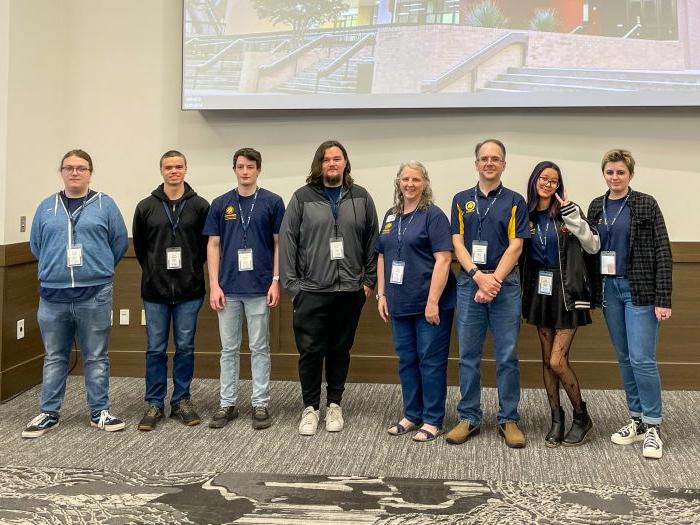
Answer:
(60, 323)
(634, 332)
(257, 315)
(423, 349)
(184, 319)
(502, 317)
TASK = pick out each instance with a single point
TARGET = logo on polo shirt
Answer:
(387, 227)
(469, 206)
(531, 225)
(230, 214)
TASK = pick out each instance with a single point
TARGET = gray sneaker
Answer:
(185, 412)
(261, 418)
(222, 416)
(150, 418)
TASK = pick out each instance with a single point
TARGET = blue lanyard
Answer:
(488, 209)
(543, 243)
(245, 224)
(334, 204)
(401, 234)
(174, 222)
(75, 216)
(605, 218)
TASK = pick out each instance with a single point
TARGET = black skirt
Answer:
(549, 311)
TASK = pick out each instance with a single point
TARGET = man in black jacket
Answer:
(171, 250)
(327, 262)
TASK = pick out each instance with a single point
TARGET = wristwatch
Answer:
(275, 277)
(471, 273)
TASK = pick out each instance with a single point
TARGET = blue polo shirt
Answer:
(544, 245)
(424, 232)
(503, 214)
(616, 236)
(225, 221)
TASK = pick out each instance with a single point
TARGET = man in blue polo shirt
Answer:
(242, 257)
(489, 223)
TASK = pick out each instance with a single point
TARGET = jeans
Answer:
(184, 319)
(634, 332)
(502, 317)
(257, 315)
(423, 349)
(60, 323)
(324, 332)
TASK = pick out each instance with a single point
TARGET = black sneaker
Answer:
(261, 418)
(222, 416)
(185, 412)
(106, 421)
(40, 425)
(150, 418)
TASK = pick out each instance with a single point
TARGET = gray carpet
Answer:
(363, 449)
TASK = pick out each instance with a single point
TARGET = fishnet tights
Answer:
(556, 371)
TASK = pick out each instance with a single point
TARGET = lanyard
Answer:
(401, 234)
(605, 219)
(245, 224)
(174, 222)
(488, 209)
(543, 243)
(334, 204)
(75, 216)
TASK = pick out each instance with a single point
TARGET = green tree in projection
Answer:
(300, 14)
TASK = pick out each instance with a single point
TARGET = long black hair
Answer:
(533, 198)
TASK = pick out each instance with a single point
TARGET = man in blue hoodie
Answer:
(171, 250)
(78, 236)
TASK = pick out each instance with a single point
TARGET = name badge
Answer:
(607, 263)
(173, 258)
(397, 268)
(479, 252)
(337, 250)
(245, 260)
(545, 283)
(390, 218)
(74, 255)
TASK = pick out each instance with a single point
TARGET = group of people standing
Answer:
(540, 259)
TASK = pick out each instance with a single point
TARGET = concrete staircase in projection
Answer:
(341, 81)
(225, 75)
(524, 79)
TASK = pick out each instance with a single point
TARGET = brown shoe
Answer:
(461, 433)
(512, 434)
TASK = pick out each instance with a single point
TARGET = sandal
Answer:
(401, 430)
(429, 436)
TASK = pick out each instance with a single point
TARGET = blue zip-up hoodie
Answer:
(100, 230)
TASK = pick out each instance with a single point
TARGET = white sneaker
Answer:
(630, 433)
(653, 446)
(334, 418)
(309, 422)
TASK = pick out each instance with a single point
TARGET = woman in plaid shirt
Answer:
(634, 288)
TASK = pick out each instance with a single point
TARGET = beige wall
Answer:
(4, 54)
(105, 76)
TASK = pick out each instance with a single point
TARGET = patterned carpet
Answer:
(82, 496)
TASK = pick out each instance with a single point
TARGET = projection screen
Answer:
(278, 54)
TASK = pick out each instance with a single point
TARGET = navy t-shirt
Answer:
(80, 293)
(544, 247)
(424, 232)
(501, 216)
(616, 237)
(225, 220)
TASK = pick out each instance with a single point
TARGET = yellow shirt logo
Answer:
(387, 227)
(470, 206)
(230, 214)
(531, 225)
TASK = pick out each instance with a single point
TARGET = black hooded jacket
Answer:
(153, 234)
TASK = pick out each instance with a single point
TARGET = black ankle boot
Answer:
(580, 428)
(556, 431)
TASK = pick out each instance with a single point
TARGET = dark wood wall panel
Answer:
(373, 356)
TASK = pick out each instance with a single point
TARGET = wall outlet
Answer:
(22, 223)
(124, 317)
(20, 329)
(143, 317)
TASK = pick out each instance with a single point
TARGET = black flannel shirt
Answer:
(650, 264)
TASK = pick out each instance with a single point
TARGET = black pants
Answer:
(324, 328)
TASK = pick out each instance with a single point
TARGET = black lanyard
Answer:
(174, 221)
(488, 209)
(75, 216)
(401, 234)
(605, 219)
(334, 204)
(246, 224)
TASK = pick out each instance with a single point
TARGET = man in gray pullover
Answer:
(328, 265)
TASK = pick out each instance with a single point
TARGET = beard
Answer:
(332, 179)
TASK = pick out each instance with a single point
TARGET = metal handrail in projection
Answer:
(472, 62)
(344, 58)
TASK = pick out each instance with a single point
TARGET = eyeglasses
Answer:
(494, 160)
(544, 181)
(67, 170)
